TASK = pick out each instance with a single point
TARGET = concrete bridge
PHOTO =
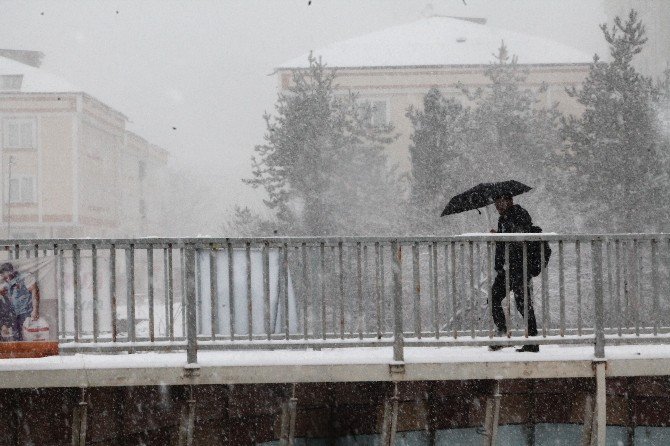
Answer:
(290, 313)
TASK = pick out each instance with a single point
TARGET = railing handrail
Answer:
(178, 242)
(357, 249)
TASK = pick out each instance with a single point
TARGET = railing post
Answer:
(130, 292)
(187, 421)
(398, 332)
(599, 307)
(80, 421)
(601, 405)
(191, 329)
(600, 364)
(390, 419)
(76, 282)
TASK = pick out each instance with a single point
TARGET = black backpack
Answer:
(535, 261)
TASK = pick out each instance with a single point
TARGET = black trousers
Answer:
(516, 284)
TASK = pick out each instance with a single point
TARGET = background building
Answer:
(394, 68)
(69, 165)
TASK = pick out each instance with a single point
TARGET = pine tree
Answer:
(616, 177)
(664, 101)
(246, 223)
(505, 134)
(437, 157)
(512, 135)
(323, 164)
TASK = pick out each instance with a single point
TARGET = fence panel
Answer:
(304, 292)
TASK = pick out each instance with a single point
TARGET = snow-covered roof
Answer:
(35, 80)
(440, 41)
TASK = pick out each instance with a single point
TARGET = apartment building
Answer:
(69, 165)
(392, 69)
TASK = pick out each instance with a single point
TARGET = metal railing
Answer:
(234, 293)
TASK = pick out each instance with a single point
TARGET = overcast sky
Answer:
(205, 67)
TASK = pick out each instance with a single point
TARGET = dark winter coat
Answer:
(516, 219)
(7, 315)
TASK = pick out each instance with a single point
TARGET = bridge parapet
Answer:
(155, 294)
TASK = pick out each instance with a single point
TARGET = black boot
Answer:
(529, 348)
(495, 348)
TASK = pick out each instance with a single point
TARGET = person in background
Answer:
(24, 295)
(7, 316)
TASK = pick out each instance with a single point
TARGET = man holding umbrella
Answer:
(513, 218)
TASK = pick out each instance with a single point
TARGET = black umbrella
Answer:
(482, 195)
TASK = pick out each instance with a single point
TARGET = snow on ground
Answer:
(335, 356)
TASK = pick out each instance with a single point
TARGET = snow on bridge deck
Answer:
(328, 365)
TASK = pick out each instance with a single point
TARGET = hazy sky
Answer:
(205, 67)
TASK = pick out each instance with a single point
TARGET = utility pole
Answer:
(9, 196)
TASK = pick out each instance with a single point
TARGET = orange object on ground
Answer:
(34, 349)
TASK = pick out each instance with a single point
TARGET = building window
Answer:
(22, 189)
(19, 133)
(379, 111)
(11, 82)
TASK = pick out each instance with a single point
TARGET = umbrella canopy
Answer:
(482, 195)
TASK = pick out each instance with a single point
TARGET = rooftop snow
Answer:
(440, 41)
(35, 80)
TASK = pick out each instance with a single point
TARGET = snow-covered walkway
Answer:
(328, 365)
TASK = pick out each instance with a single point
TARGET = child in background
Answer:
(23, 295)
